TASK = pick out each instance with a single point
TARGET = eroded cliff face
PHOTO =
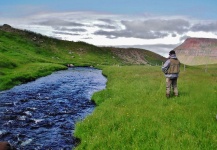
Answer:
(197, 51)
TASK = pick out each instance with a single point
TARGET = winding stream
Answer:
(42, 114)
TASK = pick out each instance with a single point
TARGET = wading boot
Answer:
(175, 94)
(168, 95)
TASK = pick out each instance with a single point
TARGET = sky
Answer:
(155, 25)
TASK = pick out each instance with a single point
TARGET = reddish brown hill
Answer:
(197, 51)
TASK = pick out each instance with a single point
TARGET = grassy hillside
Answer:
(133, 112)
(25, 56)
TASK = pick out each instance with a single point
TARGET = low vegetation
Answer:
(133, 112)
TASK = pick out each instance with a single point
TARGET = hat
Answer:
(172, 52)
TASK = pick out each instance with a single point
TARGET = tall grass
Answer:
(133, 112)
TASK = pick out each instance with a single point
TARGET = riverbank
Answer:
(133, 112)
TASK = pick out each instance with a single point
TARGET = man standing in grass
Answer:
(171, 69)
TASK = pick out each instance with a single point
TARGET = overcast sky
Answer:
(156, 25)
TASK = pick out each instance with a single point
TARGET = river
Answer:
(42, 114)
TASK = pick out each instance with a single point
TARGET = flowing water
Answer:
(42, 114)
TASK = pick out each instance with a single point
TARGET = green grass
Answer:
(23, 54)
(133, 112)
(29, 72)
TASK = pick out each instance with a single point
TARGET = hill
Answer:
(136, 56)
(197, 51)
(25, 56)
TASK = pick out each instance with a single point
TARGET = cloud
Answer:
(148, 29)
(58, 22)
(109, 21)
(131, 34)
(112, 26)
(105, 26)
(70, 29)
(210, 27)
(62, 31)
(158, 25)
(65, 33)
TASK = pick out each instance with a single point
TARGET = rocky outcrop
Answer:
(7, 28)
(197, 51)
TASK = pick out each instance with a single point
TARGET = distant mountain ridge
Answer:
(197, 51)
